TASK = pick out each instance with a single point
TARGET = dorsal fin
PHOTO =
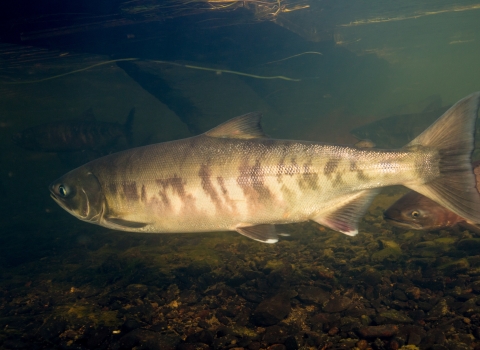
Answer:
(246, 126)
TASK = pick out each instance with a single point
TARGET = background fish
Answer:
(76, 135)
(417, 212)
(397, 130)
(403, 126)
(234, 177)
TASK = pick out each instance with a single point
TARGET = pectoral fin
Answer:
(262, 233)
(345, 214)
(124, 224)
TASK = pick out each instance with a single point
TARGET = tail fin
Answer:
(453, 136)
(128, 127)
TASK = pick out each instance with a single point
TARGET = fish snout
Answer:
(391, 214)
(51, 188)
(394, 217)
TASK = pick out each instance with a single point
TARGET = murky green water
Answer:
(67, 284)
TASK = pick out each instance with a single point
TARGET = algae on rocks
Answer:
(390, 251)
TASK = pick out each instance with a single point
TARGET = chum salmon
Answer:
(86, 134)
(235, 178)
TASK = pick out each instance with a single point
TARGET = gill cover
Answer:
(79, 192)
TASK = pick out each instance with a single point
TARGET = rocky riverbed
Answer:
(386, 288)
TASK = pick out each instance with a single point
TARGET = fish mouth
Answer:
(59, 202)
(402, 224)
(52, 195)
(69, 210)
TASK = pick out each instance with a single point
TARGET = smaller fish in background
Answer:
(417, 212)
(78, 141)
(402, 126)
(86, 134)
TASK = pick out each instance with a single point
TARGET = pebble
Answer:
(413, 293)
(383, 331)
(435, 337)
(470, 245)
(204, 336)
(332, 331)
(275, 334)
(455, 267)
(150, 340)
(337, 304)
(311, 294)
(394, 316)
(362, 344)
(399, 295)
(277, 347)
(254, 345)
(439, 310)
(291, 343)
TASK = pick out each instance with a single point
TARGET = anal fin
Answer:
(344, 215)
(265, 233)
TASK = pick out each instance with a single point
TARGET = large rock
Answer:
(314, 295)
(271, 311)
(337, 304)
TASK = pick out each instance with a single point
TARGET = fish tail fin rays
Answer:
(453, 136)
(345, 213)
(128, 127)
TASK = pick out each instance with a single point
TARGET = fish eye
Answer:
(415, 214)
(63, 190)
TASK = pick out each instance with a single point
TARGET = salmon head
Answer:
(417, 212)
(79, 192)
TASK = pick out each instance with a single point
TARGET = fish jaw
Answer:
(402, 223)
(60, 203)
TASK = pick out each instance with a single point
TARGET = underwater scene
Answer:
(248, 175)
